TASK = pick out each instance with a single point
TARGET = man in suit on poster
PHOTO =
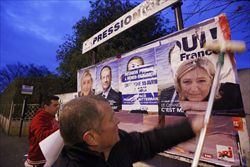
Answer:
(113, 97)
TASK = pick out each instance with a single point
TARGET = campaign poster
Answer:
(168, 100)
(185, 72)
(86, 81)
(193, 69)
(139, 89)
(107, 82)
(138, 81)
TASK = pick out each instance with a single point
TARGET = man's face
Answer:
(53, 107)
(106, 79)
(195, 84)
(108, 135)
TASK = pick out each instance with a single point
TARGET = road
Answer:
(13, 149)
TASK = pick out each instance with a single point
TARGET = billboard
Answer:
(172, 77)
(144, 10)
(157, 77)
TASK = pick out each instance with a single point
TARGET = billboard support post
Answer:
(178, 15)
(94, 56)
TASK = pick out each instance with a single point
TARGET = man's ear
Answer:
(89, 138)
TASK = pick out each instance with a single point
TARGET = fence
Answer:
(11, 114)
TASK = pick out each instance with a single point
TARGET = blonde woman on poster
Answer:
(86, 84)
(193, 80)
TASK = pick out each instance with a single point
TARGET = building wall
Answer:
(244, 79)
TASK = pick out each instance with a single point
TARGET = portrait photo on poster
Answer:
(86, 81)
(135, 62)
(107, 83)
(138, 81)
(193, 80)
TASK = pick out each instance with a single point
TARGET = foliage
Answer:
(102, 13)
(238, 13)
(42, 87)
(13, 71)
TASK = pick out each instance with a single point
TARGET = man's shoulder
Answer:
(77, 157)
(122, 133)
(41, 115)
(112, 91)
(113, 95)
(39, 112)
(167, 93)
(229, 86)
(169, 89)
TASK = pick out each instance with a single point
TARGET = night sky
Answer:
(32, 30)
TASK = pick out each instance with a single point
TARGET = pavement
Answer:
(12, 150)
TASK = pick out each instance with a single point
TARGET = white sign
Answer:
(139, 89)
(27, 89)
(51, 147)
(136, 15)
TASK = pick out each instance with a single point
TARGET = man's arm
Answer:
(146, 145)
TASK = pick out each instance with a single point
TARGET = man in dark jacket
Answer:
(89, 129)
(110, 94)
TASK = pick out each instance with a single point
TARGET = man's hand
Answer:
(197, 123)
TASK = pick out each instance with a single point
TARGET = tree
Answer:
(102, 13)
(13, 71)
(238, 13)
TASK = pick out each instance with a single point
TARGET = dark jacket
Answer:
(230, 103)
(169, 102)
(131, 148)
(114, 99)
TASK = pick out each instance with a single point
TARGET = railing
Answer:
(10, 116)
